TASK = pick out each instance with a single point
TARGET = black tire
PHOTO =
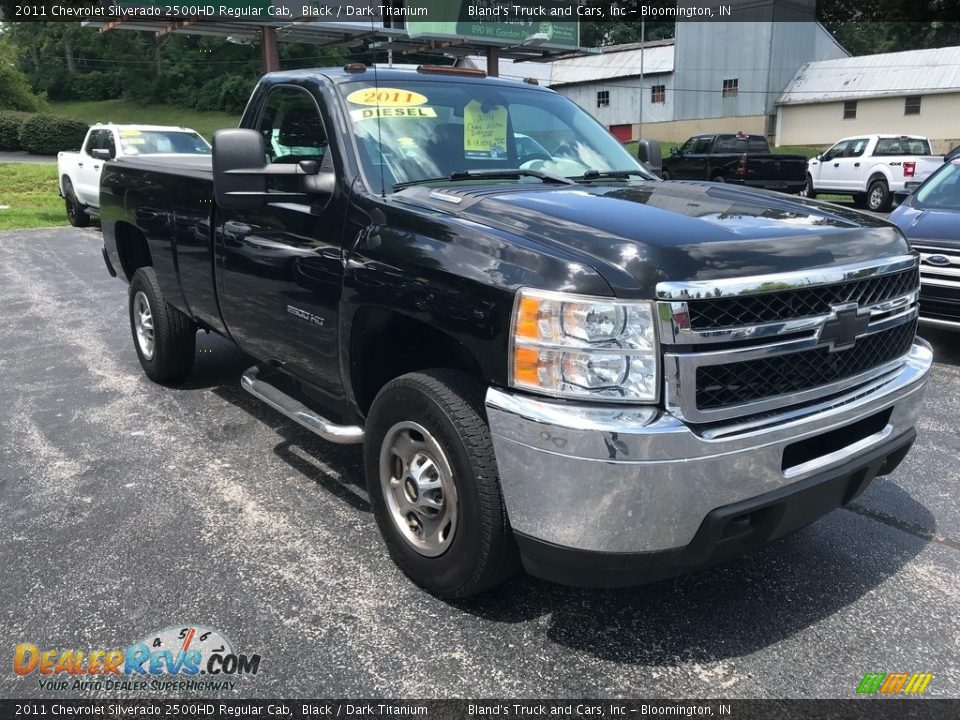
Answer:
(808, 190)
(449, 405)
(76, 213)
(719, 179)
(174, 334)
(664, 175)
(879, 197)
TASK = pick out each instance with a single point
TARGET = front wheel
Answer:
(664, 175)
(76, 213)
(164, 337)
(433, 483)
(879, 198)
(807, 191)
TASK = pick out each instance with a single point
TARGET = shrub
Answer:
(10, 122)
(48, 134)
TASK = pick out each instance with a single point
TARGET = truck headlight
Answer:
(579, 346)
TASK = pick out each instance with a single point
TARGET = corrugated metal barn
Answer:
(913, 92)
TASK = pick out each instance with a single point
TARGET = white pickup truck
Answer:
(871, 168)
(79, 172)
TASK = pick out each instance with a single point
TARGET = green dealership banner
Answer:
(548, 23)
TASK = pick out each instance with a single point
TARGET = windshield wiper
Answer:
(500, 174)
(617, 174)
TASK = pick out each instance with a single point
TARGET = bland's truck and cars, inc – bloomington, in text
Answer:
(552, 358)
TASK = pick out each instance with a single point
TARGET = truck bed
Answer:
(199, 166)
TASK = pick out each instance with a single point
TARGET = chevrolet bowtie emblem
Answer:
(841, 329)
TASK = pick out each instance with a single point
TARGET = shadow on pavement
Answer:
(726, 611)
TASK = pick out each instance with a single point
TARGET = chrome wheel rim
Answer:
(143, 324)
(418, 487)
(876, 197)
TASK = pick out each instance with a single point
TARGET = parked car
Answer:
(735, 158)
(561, 362)
(79, 172)
(871, 168)
(930, 218)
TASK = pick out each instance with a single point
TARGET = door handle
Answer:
(836, 164)
(96, 167)
(236, 230)
(79, 164)
(856, 164)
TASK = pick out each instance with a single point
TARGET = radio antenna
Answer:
(376, 85)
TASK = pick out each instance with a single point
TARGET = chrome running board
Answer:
(298, 412)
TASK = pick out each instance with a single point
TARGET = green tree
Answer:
(15, 92)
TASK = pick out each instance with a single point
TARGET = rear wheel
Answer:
(719, 179)
(165, 338)
(433, 484)
(664, 175)
(879, 197)
(808, 190)
(76, 213)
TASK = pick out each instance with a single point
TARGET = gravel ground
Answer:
(128, 507)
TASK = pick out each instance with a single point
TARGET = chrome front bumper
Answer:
(638, 480)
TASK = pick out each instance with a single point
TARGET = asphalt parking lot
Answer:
(128, 507)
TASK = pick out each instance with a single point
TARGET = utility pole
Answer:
(643, 42)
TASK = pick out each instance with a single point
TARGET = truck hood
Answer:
(638, 235)
(920, 224)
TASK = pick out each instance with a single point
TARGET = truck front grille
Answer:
(734, 349)
(743, 382)
(802, 302)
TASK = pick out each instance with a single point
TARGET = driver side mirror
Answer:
(674, 150)
(240, 175)
(102, 154)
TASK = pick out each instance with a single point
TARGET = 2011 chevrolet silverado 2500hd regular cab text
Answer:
(552, 359)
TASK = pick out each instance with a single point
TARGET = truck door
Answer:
(88, 168)
(827, 174)
(280, 265)
(851, 168)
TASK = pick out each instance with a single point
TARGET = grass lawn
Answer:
(126, 111)
(31, 192)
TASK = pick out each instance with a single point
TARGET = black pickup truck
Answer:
(549, 356)
(735, 158)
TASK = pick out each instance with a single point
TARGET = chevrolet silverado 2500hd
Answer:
(550, 356)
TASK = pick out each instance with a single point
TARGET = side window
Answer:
(291, 126)
(688, 146)
(109, 143)
(703, 146)
(836, 151)
(856, 147)
(93, 141)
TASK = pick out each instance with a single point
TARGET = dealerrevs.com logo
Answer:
(196, 657)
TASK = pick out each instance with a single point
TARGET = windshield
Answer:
(415, 131)
(942, 190)
(156, 142)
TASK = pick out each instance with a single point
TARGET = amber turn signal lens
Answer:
(528, 317)
(526, 362)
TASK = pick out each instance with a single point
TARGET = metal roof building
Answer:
(915, 92)
(870, 76)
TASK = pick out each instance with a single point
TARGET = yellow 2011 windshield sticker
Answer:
(484, 133)
(392, 112)
(386, 97)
